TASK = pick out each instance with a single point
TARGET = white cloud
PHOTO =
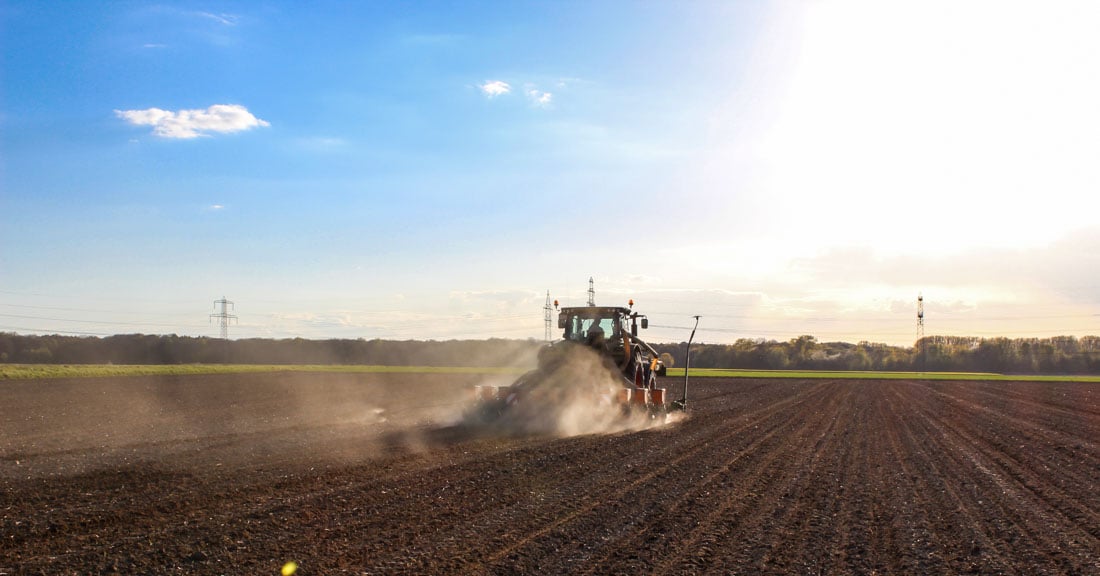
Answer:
(539, 98)
(224, 19)
(536, 97)
(499, 298)
(321, 143)
(494, 88)
(221, 118)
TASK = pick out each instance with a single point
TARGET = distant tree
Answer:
(802, 350)
(858, 359)
(776, 357)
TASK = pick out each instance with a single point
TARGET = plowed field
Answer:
(364, 474)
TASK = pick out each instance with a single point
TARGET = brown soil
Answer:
(365, 474)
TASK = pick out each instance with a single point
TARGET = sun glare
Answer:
(930, 126)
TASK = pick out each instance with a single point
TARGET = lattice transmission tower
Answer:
(591, 291)
(920, 317)
(920, 332)
(223, 316)
(548, 315)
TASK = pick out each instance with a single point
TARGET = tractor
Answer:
(599, 358)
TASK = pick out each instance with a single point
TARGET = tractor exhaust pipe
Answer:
(687, 365)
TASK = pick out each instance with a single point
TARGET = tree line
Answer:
(1056, 355)
(172, 349)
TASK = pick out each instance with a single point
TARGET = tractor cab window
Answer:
(575, 329)
(580, 329)
(594, 324)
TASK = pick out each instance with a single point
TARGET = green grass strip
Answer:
(32, 371)
(869, 375)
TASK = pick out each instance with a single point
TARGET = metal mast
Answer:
(223, 316)
(591, 291)
(920, 317)
(548, 316)
(687, 363)
(920, 331)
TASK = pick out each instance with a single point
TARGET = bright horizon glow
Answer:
(973, 118)
(780, 169)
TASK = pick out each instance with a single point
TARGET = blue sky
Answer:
(431, 171)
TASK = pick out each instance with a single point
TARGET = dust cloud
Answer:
(218, 421)
(578, 395)
(221, 422)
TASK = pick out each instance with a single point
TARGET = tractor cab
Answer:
(603, 328)
(611, 332)
(582, 325)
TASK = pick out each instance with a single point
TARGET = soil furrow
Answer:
(664, 469)
(356, 474)
(1073, 461)
(1031, 522)
(966, 482)
(681, 525)
(922, 516)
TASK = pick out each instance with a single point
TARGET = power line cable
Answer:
(25, 317)
(24, 329)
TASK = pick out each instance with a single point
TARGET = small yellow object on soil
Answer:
(290, 568)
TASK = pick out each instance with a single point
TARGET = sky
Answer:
(434, 170)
